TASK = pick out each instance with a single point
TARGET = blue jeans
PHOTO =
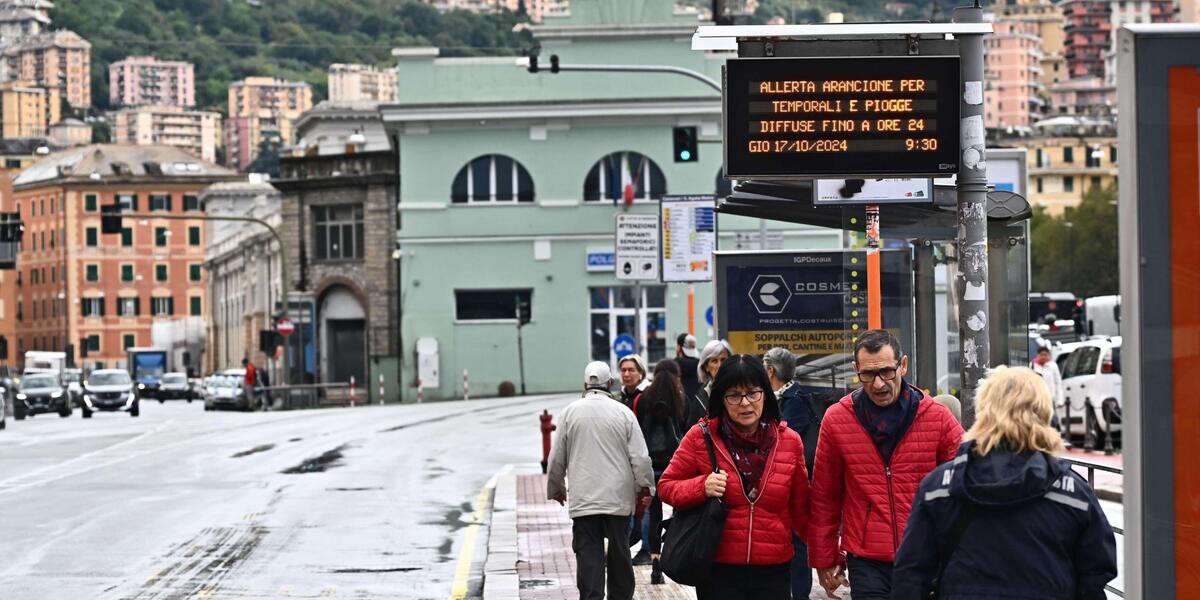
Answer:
(801, 573)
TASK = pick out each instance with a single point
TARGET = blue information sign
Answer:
(624, 345)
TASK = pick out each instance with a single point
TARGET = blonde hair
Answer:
(1014, 409)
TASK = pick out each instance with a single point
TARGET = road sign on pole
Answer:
(624, 345)
(284, 326)
(637, 247)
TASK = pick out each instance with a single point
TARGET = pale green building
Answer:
(506, 187)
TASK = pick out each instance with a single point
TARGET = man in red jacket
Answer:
(875, 446)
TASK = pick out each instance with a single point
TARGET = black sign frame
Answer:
(740, 164)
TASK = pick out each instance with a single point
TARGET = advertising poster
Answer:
(689, 237)
(812, 303)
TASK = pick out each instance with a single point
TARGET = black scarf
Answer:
(887, 424)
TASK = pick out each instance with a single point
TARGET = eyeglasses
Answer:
(734, 399)
(886, 373)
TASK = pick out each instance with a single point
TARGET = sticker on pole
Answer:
(284, 326)
(637, 247)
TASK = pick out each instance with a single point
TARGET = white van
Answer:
(1101, 316)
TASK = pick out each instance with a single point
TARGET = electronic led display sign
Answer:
(830, 117)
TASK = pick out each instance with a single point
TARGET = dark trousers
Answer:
(747, 582)
(652, 526)
(588, 535)
(869, 579)
(801, 573)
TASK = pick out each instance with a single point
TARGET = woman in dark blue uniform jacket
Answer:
(1027, 526)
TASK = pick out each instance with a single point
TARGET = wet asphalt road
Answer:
(371, 502)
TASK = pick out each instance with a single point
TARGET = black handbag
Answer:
(691, 541)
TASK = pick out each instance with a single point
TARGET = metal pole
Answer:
(973, 321)
(520, 347)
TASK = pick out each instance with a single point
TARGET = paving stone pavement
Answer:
(546, 564)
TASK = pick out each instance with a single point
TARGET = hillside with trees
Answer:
(228, 40)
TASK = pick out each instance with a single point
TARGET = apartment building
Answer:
(28, 110)
(17, 22)
(195, 131)
(145, 80)
(58, 59)
(1091, 27)
(361, 83)
(1048, 21)
(1067, 156)
(259, 107)
(103, 293)
(1013, 70)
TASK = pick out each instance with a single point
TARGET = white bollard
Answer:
(351, 391)
(381, 389)
(466, 386)
(420, 392)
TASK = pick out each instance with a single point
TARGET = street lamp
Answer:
(1070, 255)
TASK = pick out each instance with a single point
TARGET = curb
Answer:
(500, 579)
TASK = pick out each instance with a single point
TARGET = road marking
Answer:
(458, 590)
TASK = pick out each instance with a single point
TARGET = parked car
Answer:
(1092, 383)
(228, 391)
(41, 393)
(175, 386)
(110, 390)
(74, 380)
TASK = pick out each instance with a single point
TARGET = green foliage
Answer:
(228, 40)
(1077, 251)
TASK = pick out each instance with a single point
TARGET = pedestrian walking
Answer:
(711, 357)
(797, 411)
(632, 369)
(766, 496)
(1006, 518)
(687, 357)
(249, 381)
(952, 404)
(264, 380)
(599, 447)
(1045, 366)
(875, 446)
(660, 414)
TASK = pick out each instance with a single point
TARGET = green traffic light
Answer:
(685, 155)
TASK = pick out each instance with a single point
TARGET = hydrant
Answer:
(547, 427)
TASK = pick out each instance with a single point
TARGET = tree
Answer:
(267, 160)
(1077, 251)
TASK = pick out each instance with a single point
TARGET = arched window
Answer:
(610, 175)
(724, 186)
(492, 178)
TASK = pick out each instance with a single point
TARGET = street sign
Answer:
(637, 247)
(708, 316)
(689, 236)
(872, 191)
(284, 326)
(624, 345)
(842, 117)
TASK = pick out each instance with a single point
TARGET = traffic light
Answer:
(268, 340)
(11, 227)
(685, 144)
(110, 218)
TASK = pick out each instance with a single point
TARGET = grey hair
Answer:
(711, 349)
(782, 361)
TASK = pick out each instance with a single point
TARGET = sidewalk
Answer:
(545, 563)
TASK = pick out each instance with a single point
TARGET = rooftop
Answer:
(63, 38)
(119, 160)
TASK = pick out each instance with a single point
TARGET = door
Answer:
(346, 343)
(615, 316)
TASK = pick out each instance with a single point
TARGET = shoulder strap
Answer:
(954, 536)
(712, 454)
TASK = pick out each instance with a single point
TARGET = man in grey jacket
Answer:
(599, 444)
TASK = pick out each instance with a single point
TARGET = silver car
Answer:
(109, 390)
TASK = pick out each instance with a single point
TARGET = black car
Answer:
(41, 393)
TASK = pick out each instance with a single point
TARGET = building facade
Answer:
(269, 107)
(1013, 70)
(339, 228)
(1048, 21)
(58, 59)
(361, 83)
(195, 131)
(341, 127)
(510, 184)
(28, 110)
(17, 22)
(71, 132)
(1091, 27)
(98, 294)
(1066, 158)
(242, 263)
(1087, 96)
(145, 80)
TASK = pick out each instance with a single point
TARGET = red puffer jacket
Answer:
(758, 533)
(855, 492)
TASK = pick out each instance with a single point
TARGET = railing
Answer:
(307, 395)
(1091, 467)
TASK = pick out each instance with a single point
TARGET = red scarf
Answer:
(750, 452)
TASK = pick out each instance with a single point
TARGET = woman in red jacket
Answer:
(762, 480)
